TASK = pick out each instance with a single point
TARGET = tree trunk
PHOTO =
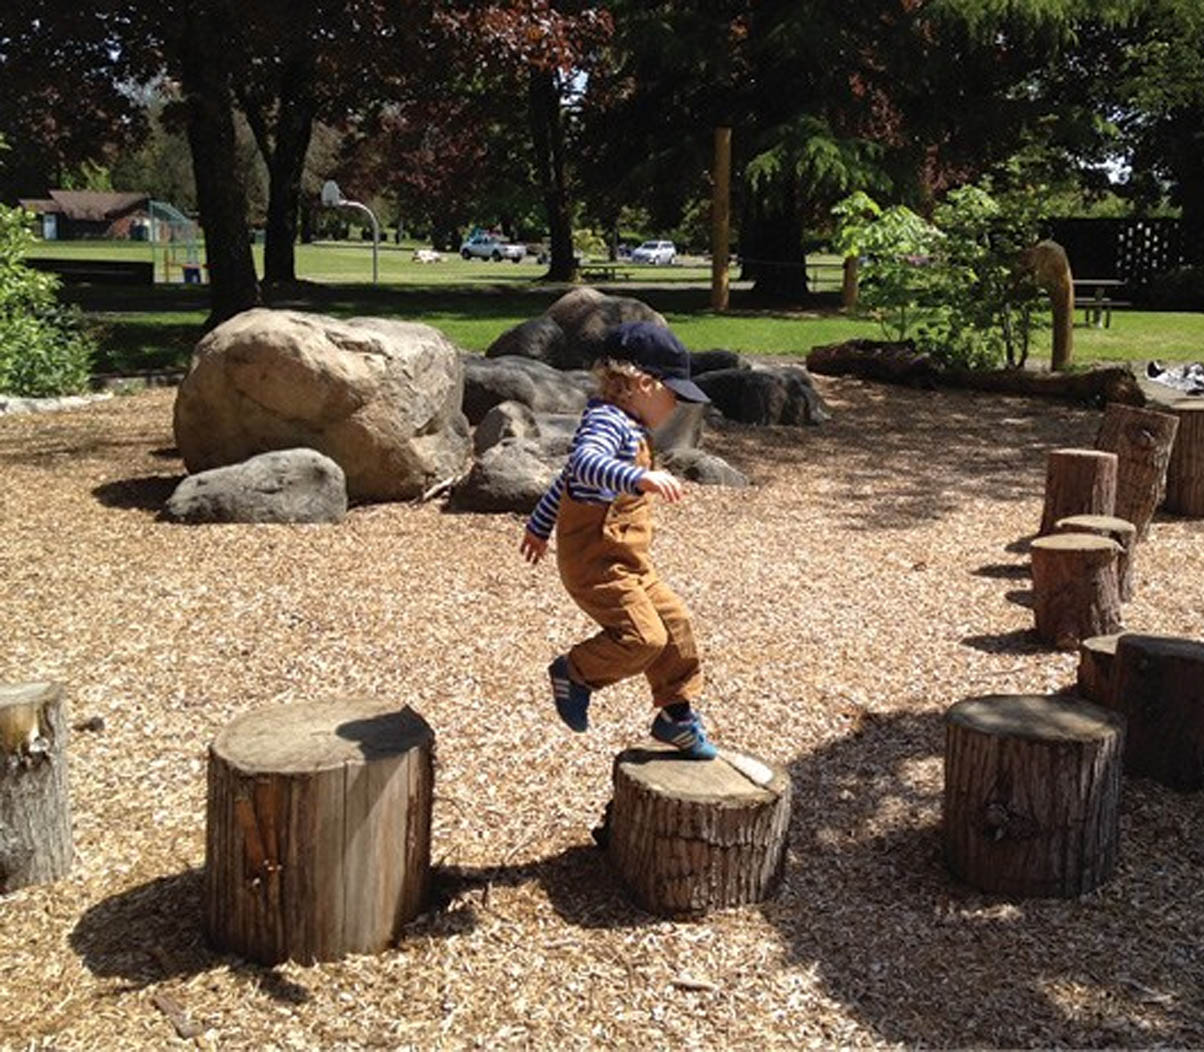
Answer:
(1117, 529)
(1158, 687)
(1142, 440)
(1097, 662)
(294, 126)
(771, 247)
(1075, 594)
(721, 199)
(689, 836)
(1032, 791)
(1078, 482)
(1185, 470)
(318, 833)
(35, 806)
(221, 196)
(547, 134)
(849, 284)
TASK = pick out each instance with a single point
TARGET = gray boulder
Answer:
(290, 485)
(704, 468)
(510, 476)
(584, 316)
(769, 395)
(543, 389)
(712, 361)
(539, 338)
(504, 420)
(379, 397)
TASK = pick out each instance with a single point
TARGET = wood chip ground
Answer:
(874, 575)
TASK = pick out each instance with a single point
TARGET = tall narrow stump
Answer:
(1078, 482)
(1185, 472)
(1075, 592)
(35, 804)
(318, 839)
(1158, 685)
(1032, 786)
(1142, 440)
(688, 836)
(1123, 532)
(1097, 663)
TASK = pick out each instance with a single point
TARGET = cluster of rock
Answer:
(285, 417)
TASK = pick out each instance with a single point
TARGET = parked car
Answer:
(488, 246)
(655, 252)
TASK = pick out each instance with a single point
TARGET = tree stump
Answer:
(1032, 786)
(318, 837)
(1075, 594)
(1142, 440)
(1097, 662)
(35, 802)
(688, 836)
(1158, 685)
(1124, 533)
(1185, 471)
(1078, 482)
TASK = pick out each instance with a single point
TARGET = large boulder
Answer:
(510, 476)
(290, 485)
(539, 338)
(379, 397)
(491, 381)
(771, 395)
(714, 360)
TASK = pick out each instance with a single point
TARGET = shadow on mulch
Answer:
(145, 493)
(1004, 571)
(923, 960)
(1020, 596)
(1018, 641)
(153, 932)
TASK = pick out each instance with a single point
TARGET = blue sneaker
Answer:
(686, 735)
(572, 698)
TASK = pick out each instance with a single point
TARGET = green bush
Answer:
(45, 349)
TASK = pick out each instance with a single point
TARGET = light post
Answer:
(332, 197)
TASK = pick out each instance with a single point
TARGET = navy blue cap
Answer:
(657, 352)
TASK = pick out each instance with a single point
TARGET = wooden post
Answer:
(35, 804)
(1185, 471)
(1051, 267)
(849, 284)
(1032, 787)
(721, 205)
(1121, 531)
(1075, 594)
(318, 838)
(688, 836)
(1097, 662)
(1142, 440)
(1158, 685)
(1078, 482)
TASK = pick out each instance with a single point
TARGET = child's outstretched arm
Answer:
(542, 521)
(533, 547)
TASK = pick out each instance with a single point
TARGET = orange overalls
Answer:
(602, 552)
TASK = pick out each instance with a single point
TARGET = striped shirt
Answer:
(601, 464)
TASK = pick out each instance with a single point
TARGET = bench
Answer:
(97, 271)
(601, 272)
(1099, 310)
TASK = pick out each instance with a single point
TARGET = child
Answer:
(601, 510)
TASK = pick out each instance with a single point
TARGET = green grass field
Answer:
(474, 302)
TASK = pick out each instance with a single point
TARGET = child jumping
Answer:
(601, 510)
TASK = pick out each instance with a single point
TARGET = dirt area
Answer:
(874, 575)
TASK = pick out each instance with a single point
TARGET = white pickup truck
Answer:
(486, 246)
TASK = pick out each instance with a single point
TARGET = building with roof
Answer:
(67, 215)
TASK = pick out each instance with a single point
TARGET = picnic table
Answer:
(600, 272)
(1092, 294)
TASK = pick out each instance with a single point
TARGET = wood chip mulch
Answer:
(874, 575)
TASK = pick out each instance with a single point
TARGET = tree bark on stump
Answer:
(1097, 663)
(1185, 471)
(1123, 532)
(1158, 685)
(318, 833)
(1075, 594)
(688, 836)
(1142, 440)
(1078, 482)
(35, 802)
(1032, 786)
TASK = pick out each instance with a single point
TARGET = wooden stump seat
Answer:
(1142, 440)
(1032, 786)
(1075, 591)
(1158, 686)
(1185, 471)
(688, 836)
(35, 803)
(1097, 661)
(1078, 482)
(318, 833)
(1123, 532)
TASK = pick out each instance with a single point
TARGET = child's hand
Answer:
(666, 485)
(532, 547)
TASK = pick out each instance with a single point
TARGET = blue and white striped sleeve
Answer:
(594, 460)
(543, 518)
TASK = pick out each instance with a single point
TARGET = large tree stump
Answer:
(1142, 440)
(1158, 685)
(1123, 532)
(1075, 593)
(1078, 482)
(1097, 662)
(688, 836)
(318, 839)
(1032, 786)
(35, 802)
(1185, 471)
